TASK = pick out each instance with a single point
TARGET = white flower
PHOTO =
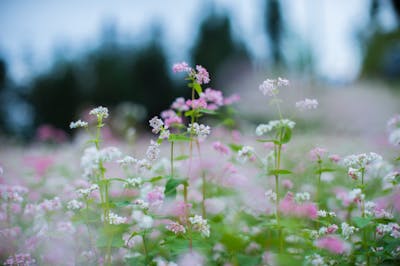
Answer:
(153, 151)
(100, 112)
(146, 222)
(348, 230)
(200, 130)
(115, 219)
(200, 224)
(268, 87)
(391, 180)
(78, 123)
(301, 197)
(127, 160)
(358, 161)
(133, 182)
(165, 134)
(394, 137)
(270, 195)
(245, 153)
(307, 104)
(273, 125)
(157, 124)
(74, 205)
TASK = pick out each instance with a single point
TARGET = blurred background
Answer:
(59, 58)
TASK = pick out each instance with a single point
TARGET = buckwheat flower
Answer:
(332, 244)
(146, 222)
(153, 151)
(176, 228)
(322, 213)
(200, 224)
(155, 197)
(100, 112)
(126, 161)
(20, 259)
(50, 205)
(262, 129)
(361, 160)
(197, 103)
(391, 228)
(268, 87)
(245, 153)
(74, 205)
(332, 229)
(354, 173)
(307, 104)
(221, 148)
(164, 134)
(348, 230)
(133, 182)
(356, 195)
(141, 204)
(115, 219)
(394, 137)
(391, 180)
(78, 124)
(157, 124)
(109, 154)
(180, 105)
(317, 153)
(213, 96)
(181, 67)
(199, 130)
(302, 196)
(334, 158)
(382, 214)
(315, 260)
(271, 196)
(202, 75)
(394, 122)
(282, 82)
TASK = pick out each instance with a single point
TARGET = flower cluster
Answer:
(307, 104)
(200, 224)
(199, 130)
(274, 125)
(270, 86)
(101, 112)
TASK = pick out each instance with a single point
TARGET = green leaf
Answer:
(121, 203)
(286, 135)
(235, 147)
(361, 222)
(155, 179)
(279, 172)
(117, 179)
(174, 137)
(269, 140)
(206, 111)
(197, 88)
(323, 170)
(181, 157)
(172, 184)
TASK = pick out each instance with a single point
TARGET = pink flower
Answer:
(197, 103)
(156, 196)
(287, 184)
(334, 158)
(289, 207)
(317, 153)
(179, 105)
(213, 96)
(332, 244)
(332, 229)
(202, 75)
(181, 67)
(173, 120)
(231, 99)
(221, 148)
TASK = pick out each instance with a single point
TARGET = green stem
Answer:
(203, 201)
(364, 238)
(172, 159)
(145, 249)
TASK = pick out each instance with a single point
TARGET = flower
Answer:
(332, 244)
(245, 153)
(317, 153)
(271, 196)
(100, 112)
(180, 105)
(348, 230)
(307, 104)
(157, 124)
(78, 123)
(200, 130)
(270, 86)
(273, 125)
(153, 151)
(221, 148)
(176, 228)
(115, 219)
(200, 224)
(202, 76)
(181, 67)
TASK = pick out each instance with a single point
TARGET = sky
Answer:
(31, 32)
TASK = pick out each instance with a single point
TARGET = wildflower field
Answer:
(199, 190)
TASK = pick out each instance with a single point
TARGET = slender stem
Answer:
(277, 167)
(172, 159)
(364, 238)
(203, 201)
(145, 248)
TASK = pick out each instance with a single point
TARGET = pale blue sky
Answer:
(42, 25)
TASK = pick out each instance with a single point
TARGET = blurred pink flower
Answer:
(332, 244)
